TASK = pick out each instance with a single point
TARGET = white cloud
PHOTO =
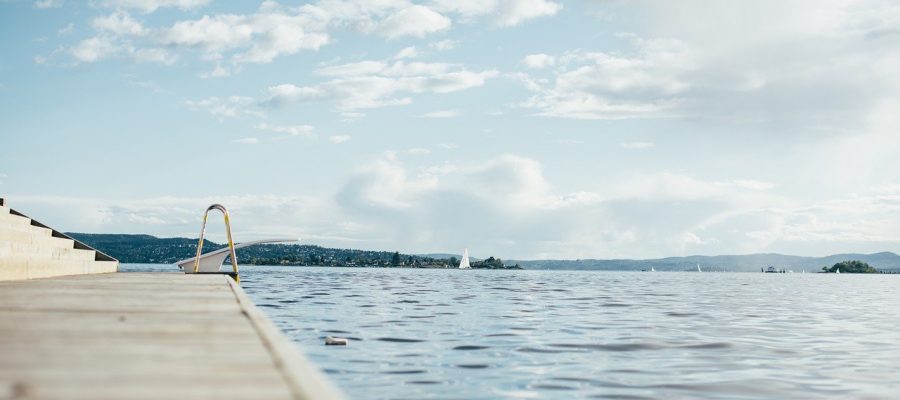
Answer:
(259, 38)
(373, 84)
(247, 140)
(338, 139)
(253, 38)
(156, 55)
(94, 49)
(386, 204)
(275, 30)
(466, 9)
(277, 35)
(217, 72)
(519, 213)
(44, 4)
(119, 23)
(293, 130)
(832, 58)
(416, 21)
(212, 34)
(538, 61)
(442, 114)
(596, 85)
(226, 107)
(503, 13)
(103, 47)
(514, 12)
(637, 145)
(149, 6)
(856, 224)
(407, 52)
(443, 45)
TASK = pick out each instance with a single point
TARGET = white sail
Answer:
(837, 271)
(698, 268)
(652, 269)
(464, 262)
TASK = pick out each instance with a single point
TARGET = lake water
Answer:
(589, 334)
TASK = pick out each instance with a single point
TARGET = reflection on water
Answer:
(579, 334)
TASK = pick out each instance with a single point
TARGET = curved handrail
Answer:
(234, 264)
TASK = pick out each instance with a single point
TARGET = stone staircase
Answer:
(30, 249)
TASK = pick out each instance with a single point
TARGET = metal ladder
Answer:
(235, 275)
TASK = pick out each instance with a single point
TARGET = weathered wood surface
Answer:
(147, 336)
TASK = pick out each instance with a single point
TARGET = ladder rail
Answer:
(234, 263)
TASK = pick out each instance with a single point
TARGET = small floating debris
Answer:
(335, 341)
(470, 347)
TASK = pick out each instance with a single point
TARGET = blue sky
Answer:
(516, 128)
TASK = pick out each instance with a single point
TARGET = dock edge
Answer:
(305, 380)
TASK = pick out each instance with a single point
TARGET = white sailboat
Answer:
(698, 268)
(652, 269)
(464, 262)
(837, 271)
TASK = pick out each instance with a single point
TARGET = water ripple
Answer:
(578, 334)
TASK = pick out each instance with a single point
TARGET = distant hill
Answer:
(749, 262)
(143, 248)
(151, 249)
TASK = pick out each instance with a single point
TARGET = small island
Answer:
(850, 267)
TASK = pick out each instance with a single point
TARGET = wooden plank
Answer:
(145, 336)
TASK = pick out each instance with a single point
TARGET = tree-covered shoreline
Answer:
(152, 250)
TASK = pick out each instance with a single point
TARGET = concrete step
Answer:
(14, 219)
(9, 235)
(30, 251)
(12, 250)
(25, 228)
(18, 268)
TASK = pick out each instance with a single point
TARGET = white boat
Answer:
(652, 269)
(698, 268)
(837, 271)
(464, 262)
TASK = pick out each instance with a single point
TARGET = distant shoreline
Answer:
(128, 248)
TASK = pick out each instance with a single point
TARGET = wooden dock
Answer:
(145, 336)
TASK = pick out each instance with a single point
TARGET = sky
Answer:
(523, 129)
